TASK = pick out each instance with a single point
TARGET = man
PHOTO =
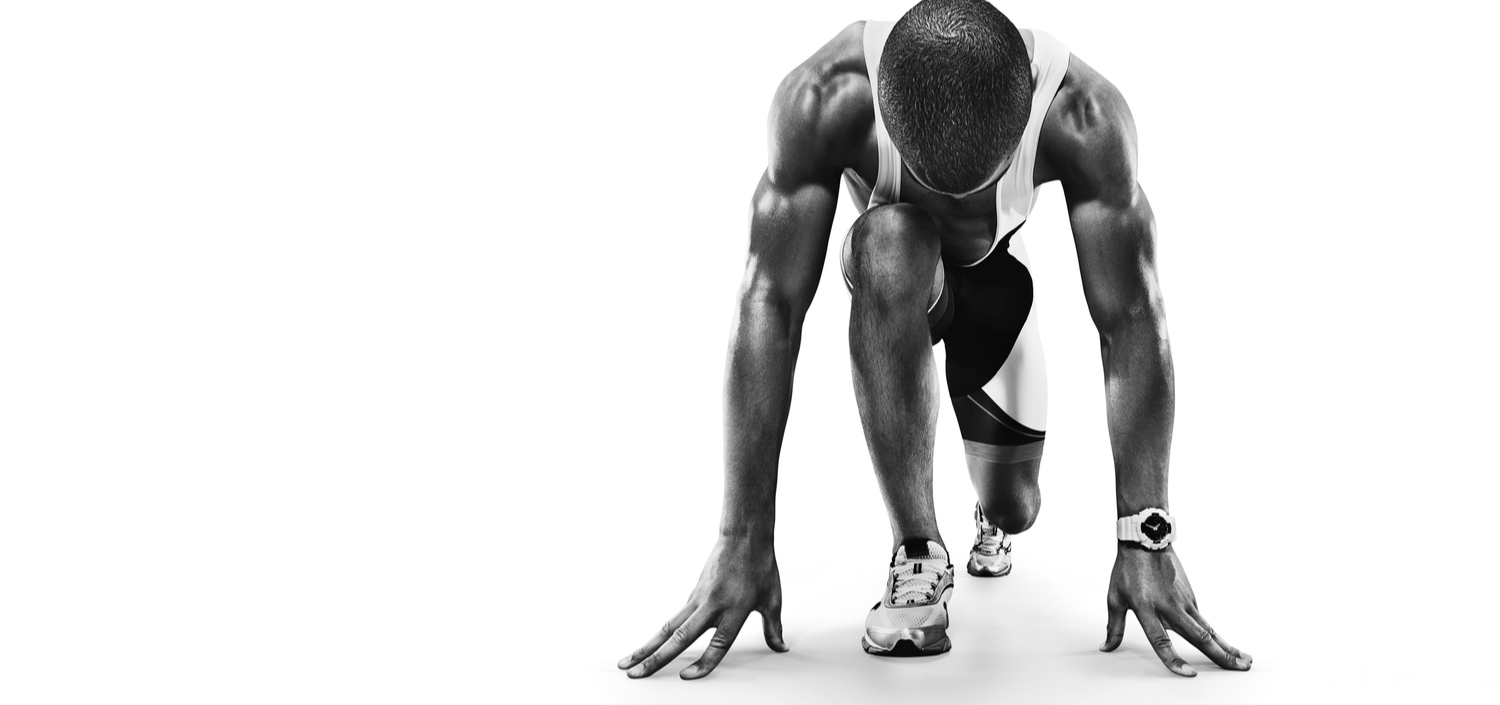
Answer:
(943, 125)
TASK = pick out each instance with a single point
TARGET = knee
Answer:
(1013, 511)
(891, 250)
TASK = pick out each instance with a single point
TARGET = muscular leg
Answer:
(890, 256)
(998, 380)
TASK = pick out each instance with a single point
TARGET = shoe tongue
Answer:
(915, 549)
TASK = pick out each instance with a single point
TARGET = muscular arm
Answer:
(1119, 271)
(1115, 233)
(789, 228)
(1094, 138)
(814, 130)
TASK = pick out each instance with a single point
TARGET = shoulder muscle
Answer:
(821, 114)
(1089, 137)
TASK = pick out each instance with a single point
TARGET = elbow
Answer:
(771, 310)
(768, 309)
(765, 295)
(1134, 346)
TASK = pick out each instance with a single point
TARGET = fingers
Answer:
(1202, 639)
(681, 638)
(1114, 632)
(724, 634)
(1163, 644)
(770, 620)
(1193, 612)
(657, 639)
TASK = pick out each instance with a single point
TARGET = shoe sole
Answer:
(908, 648)
(985, 573)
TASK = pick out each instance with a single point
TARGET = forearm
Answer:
(757, 398)
(1140, 399)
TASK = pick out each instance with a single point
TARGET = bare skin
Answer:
(822, 122)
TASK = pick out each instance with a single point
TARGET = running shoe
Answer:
(990, 557)
(911, 619)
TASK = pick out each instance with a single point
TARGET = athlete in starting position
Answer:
(943, 125)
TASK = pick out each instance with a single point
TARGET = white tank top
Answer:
(1016, 194)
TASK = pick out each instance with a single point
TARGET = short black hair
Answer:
(955, 90)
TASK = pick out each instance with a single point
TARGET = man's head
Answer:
(955, 91)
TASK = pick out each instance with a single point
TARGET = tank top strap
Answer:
(1016, 194)
(887, 187)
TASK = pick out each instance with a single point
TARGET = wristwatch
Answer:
(1152, 528)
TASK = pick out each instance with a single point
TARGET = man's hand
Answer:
(1154, 585)
(741, 577)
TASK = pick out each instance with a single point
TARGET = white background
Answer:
(372, 352)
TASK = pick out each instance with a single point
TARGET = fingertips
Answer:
(1112, 642)
(1156, 633)
(1114, 630)
(657, 640)
(1243, 659)
(632, 659)
(703, 666)
(648, 666)
(1181, 668)
(771, 625)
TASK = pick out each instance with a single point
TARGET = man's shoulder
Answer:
(824, 108)
(1088, 138)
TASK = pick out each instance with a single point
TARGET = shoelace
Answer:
(912, 587)
(991, 541)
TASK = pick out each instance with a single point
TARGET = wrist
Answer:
(747, 517)
(756, 551)
(1135, 505)
(747, 532)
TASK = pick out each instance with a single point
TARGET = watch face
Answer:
(1155, 527)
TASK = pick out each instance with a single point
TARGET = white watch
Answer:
(1152, 528)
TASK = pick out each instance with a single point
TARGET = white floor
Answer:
(1322, 626)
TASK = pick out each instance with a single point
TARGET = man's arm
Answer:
(791, 216)
(1115, 233)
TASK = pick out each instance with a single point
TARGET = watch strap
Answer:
(1128, 528)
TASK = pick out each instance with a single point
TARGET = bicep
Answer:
(792, 211)
(818, 117)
